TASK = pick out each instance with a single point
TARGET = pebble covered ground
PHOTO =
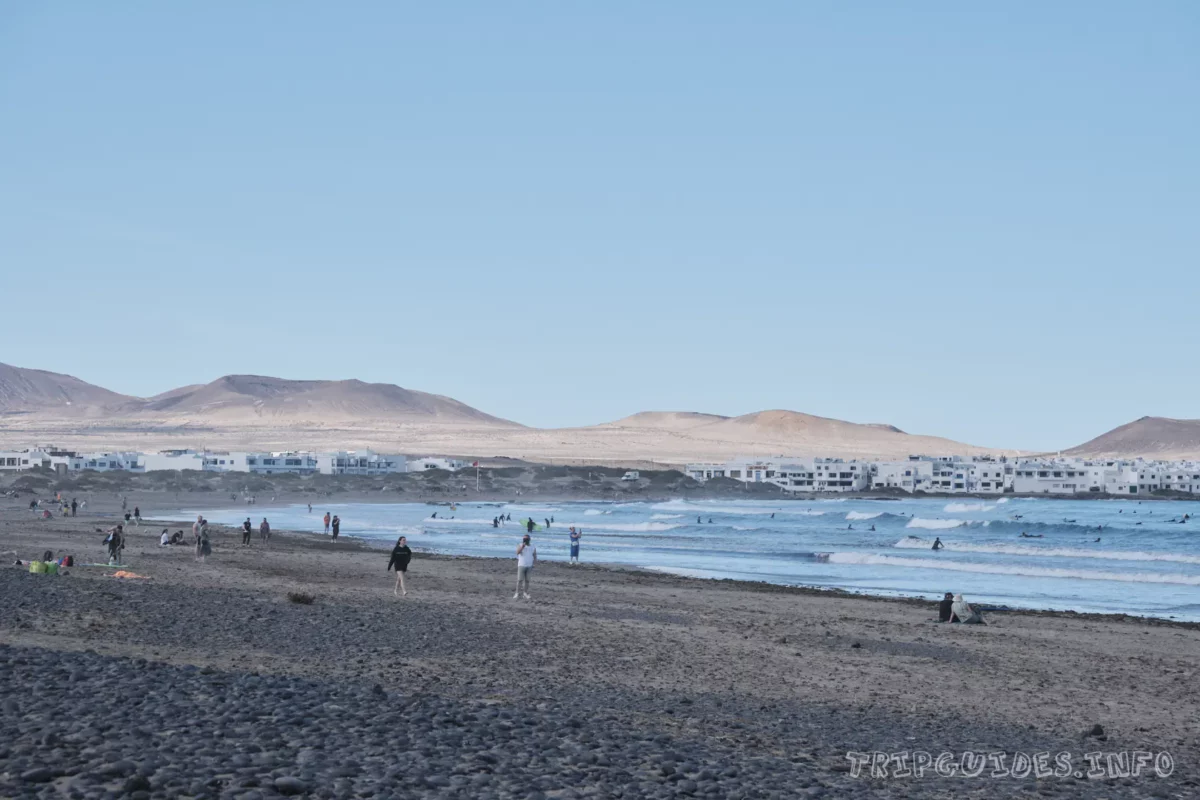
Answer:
(205, 681)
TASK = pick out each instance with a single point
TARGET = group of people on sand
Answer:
(954, 608)
(401, 556)
(333, 524)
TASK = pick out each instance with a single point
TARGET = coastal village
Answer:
(916, 474)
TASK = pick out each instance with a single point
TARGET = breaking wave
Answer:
(1001, 569)
(915, 543)
(863, 515)
(935, 524)
(964, 508)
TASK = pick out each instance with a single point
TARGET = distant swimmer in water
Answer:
(937, 543)
(710, 521)
(1097, 538)
(1017, 516)
(1137, 523)
(872, 527)
(434, 515)
(699, 521)
(1068, 520)
(1025, 535)
(849, 527)
(772, 515)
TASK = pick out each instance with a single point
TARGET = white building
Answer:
(434, 462)
(361, 462)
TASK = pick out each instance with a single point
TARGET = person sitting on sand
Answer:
(937, 543)
(165, 539)
(401, 555)
(945, 607)
(961, 611)
(177, 538)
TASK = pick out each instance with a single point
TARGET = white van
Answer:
(630, 476)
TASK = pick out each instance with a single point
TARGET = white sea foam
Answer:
(1002, 569)
(935, 524)
(1002, 501)
(864, 515)
(964, 508)
(914, 543)
(620, 526)
(744, 528)
(594, 512)
(666, 516)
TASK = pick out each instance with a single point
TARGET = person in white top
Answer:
(526, 558)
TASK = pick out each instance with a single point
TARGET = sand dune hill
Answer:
(1148, 437)
(258, 412)
(27, 391)
(665, 420)
(253, 398)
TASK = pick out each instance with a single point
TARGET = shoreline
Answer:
(381, 545)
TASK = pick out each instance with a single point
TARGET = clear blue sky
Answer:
(982, 223)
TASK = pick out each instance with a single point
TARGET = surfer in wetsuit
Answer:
(872, 527)
(529, 525)
(699, 521)
(937, 543)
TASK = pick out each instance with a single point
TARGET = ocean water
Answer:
(1146, 562)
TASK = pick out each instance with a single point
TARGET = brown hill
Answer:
(665, 420)
(1148, 437)
(256, 398)
(25, 391)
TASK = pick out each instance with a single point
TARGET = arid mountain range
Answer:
(248, 411)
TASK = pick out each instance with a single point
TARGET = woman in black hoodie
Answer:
(401, 555)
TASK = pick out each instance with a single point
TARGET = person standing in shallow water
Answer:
(401, 555)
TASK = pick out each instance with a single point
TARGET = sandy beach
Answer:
(204, 680)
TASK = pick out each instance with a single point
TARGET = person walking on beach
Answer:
(247, 527)
(264, 530)
(337, 526)
(203, 545)
(526, 559)
(196, 530)
(137, 516)
(575, 536)
(116, 543)
(74, 506)
(401, 555)
(327, 522)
